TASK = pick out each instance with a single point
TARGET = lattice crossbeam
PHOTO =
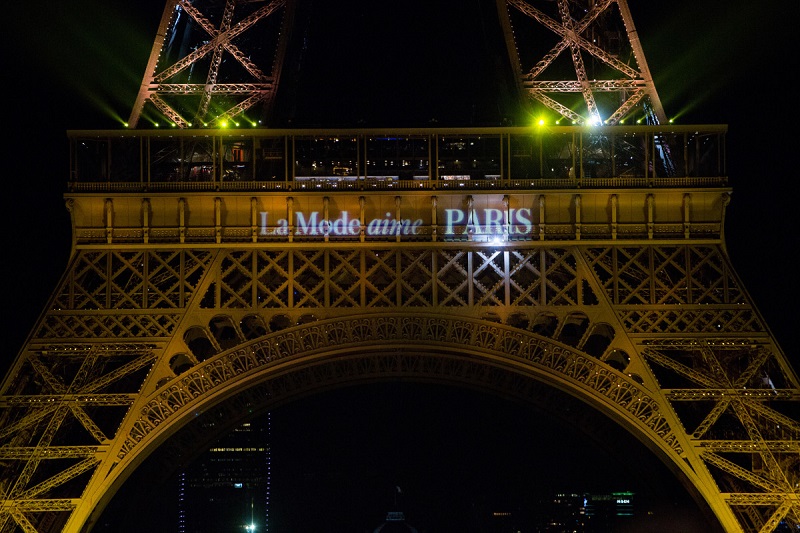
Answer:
(633, 84)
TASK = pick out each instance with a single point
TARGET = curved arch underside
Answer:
(659, 338)
(284, 365)
(356, 378)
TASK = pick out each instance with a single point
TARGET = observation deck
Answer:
(462, 184)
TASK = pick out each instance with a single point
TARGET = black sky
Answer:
(73, 65)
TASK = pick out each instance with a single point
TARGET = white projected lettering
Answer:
(456, 221)
(487, 221)
(314, 223)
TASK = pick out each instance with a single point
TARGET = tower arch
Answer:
(282, 366)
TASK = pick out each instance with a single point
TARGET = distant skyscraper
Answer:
(563, 512)
(227, 489)
(604, 511)
(583, 512)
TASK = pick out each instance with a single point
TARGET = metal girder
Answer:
(739, 472)
(748, 446)
(550, 276)
(566, 86)
(35, 506)
(636, 85)
(184, 103)
(218, 38)
(51, 452)
(60, 478)
(106, 400)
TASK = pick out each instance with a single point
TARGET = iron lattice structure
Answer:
(588, 67)
(212, 62)
(216, 63)
(216, 273)
(223, 293)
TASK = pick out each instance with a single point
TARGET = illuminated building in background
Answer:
(584, 512)
(564, 512)
(395, 523)
(606, 510)
(228, 487)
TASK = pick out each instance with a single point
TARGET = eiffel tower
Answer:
(219, 269)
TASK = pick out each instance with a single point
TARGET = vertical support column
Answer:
(614, 215)
(397, 227)
(109, 216)
(470, 220)
(434, 218)
(361, 232)
(506, 217)
(290, 217)
(182, 220)
(541, 218)
(326, 218)
(687, 204)
(577, 217)
(254, 220)
(145, 220)
(650, 221)
(218, 219)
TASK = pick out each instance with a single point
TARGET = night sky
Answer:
(78, 65)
